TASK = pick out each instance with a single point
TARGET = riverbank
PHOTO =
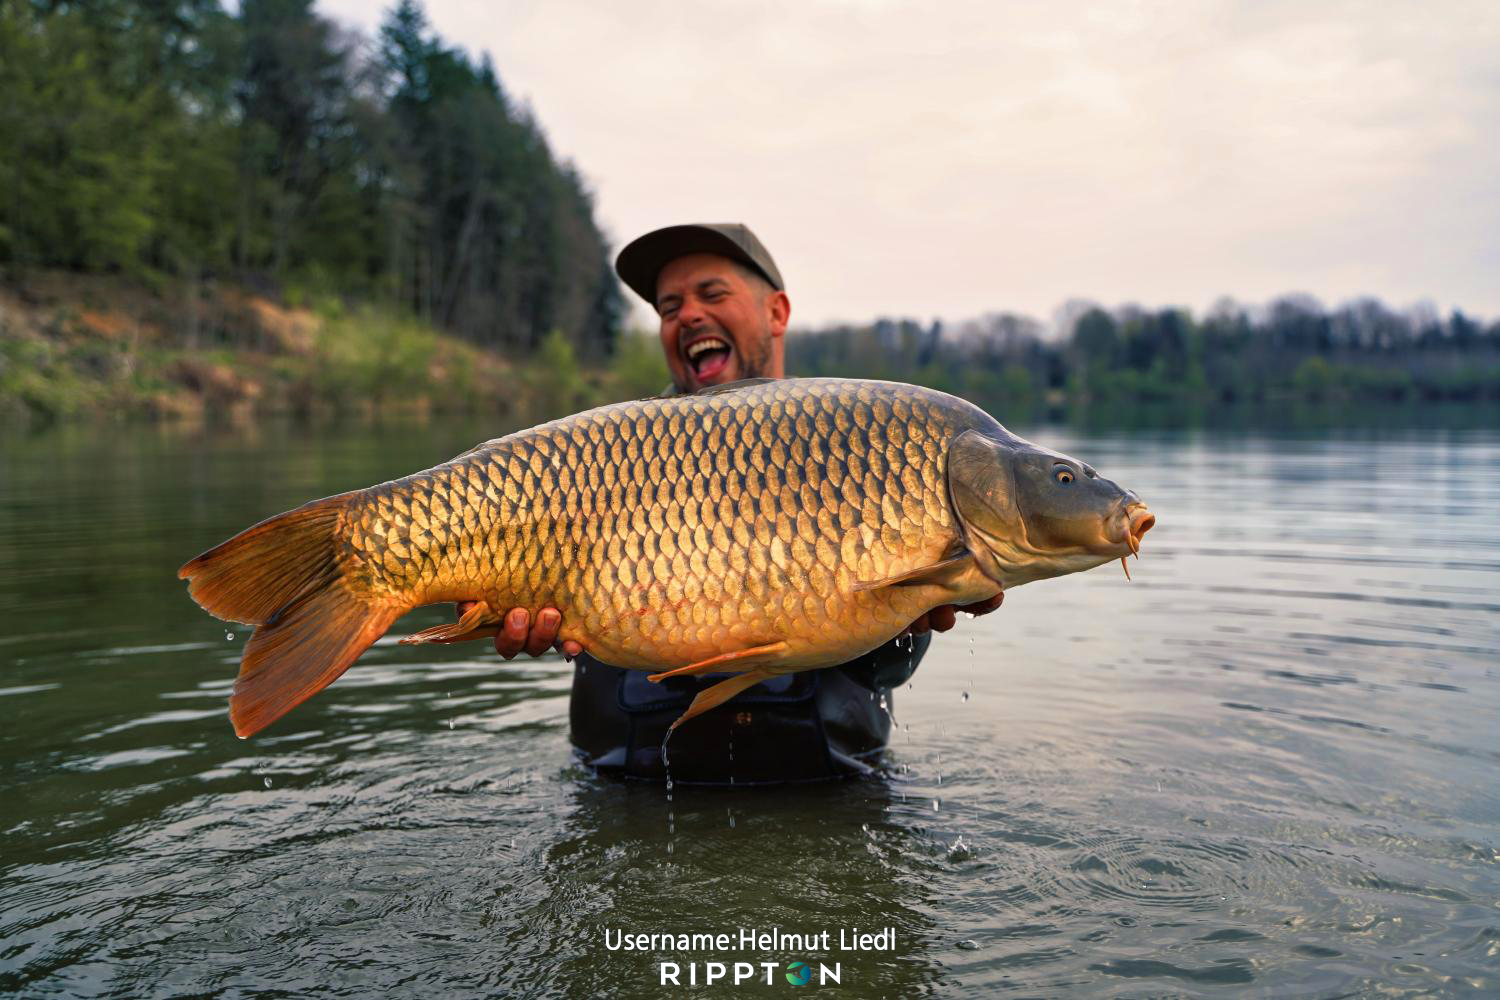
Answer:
(76, 346)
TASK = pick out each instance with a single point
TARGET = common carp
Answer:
(759, 528)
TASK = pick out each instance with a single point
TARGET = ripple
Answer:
(1246, 769)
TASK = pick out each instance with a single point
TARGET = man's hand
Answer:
(945, 616)
(519, 634)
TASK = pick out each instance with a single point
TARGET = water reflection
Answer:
(1266, 764)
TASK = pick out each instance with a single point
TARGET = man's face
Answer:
(717, 324)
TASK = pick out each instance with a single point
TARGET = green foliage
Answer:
(638, 367)
(180, 140)
(1313, 378)
(1292, 350)
(554, 379)
(372, 357)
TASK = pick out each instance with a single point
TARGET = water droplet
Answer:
(583, 668)
(965, 696)
(908, 687)
(669, 847)
(229, 636)
(267, 782)
(969, 945)
(450, 724)
(865, 827)
(936, 804)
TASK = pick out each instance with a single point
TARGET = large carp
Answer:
(759, 528)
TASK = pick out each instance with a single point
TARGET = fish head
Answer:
(1028, 513)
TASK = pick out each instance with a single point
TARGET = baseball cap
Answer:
(641, 261)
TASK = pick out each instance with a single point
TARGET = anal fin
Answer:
(720, 693)
(714, 663)
(479, 622)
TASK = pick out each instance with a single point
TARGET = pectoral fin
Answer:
(937, 573)
(479, 622)
(714, 663)
(720, 693)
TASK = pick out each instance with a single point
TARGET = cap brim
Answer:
(640, 263)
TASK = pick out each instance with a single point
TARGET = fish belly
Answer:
(670, 531)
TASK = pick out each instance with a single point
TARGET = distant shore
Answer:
(78, 346)
(88, 346)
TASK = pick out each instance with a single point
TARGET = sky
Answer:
(955, 158)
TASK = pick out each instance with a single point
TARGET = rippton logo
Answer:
(799, 973)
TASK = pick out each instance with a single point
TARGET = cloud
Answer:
(951, 159)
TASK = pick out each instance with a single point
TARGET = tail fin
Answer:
(283, 577)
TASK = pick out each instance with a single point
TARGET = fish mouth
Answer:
(1125, 527)
(1139, 520)
(707, 355)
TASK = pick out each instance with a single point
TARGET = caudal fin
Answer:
(283, 577)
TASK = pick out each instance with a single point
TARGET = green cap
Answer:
(641, 261)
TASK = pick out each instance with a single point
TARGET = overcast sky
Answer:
(945, 159)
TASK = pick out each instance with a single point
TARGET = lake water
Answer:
(1268, 766)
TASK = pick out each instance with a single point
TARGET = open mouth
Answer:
(1139, 521)
(707, 356)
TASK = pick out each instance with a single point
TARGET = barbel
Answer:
(761, 528)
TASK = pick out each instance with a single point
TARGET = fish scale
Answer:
(669, 530)
(751, 523)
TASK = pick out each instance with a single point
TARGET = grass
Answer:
(74, 347)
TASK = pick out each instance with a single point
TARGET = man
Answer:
(723, 310)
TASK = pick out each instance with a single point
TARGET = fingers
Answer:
(942, 618)
(518, 634)
(512, 637)
(544, 633)
(984, 607)
(945, 616)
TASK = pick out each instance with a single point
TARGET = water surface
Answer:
(1266, 766)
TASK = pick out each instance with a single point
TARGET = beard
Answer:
(757, 362)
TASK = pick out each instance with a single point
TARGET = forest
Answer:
(1293, 348)
(255, 208)
(174, 141)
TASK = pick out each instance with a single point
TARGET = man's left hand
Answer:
(945, 616)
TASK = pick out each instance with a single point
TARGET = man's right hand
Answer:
(519, 633)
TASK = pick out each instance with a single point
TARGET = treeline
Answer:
(1293, 348)
(179, 143)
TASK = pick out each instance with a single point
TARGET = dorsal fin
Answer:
(743, 383)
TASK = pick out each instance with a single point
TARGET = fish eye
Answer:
(1062, 474)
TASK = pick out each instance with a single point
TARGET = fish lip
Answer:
(1138, 521)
